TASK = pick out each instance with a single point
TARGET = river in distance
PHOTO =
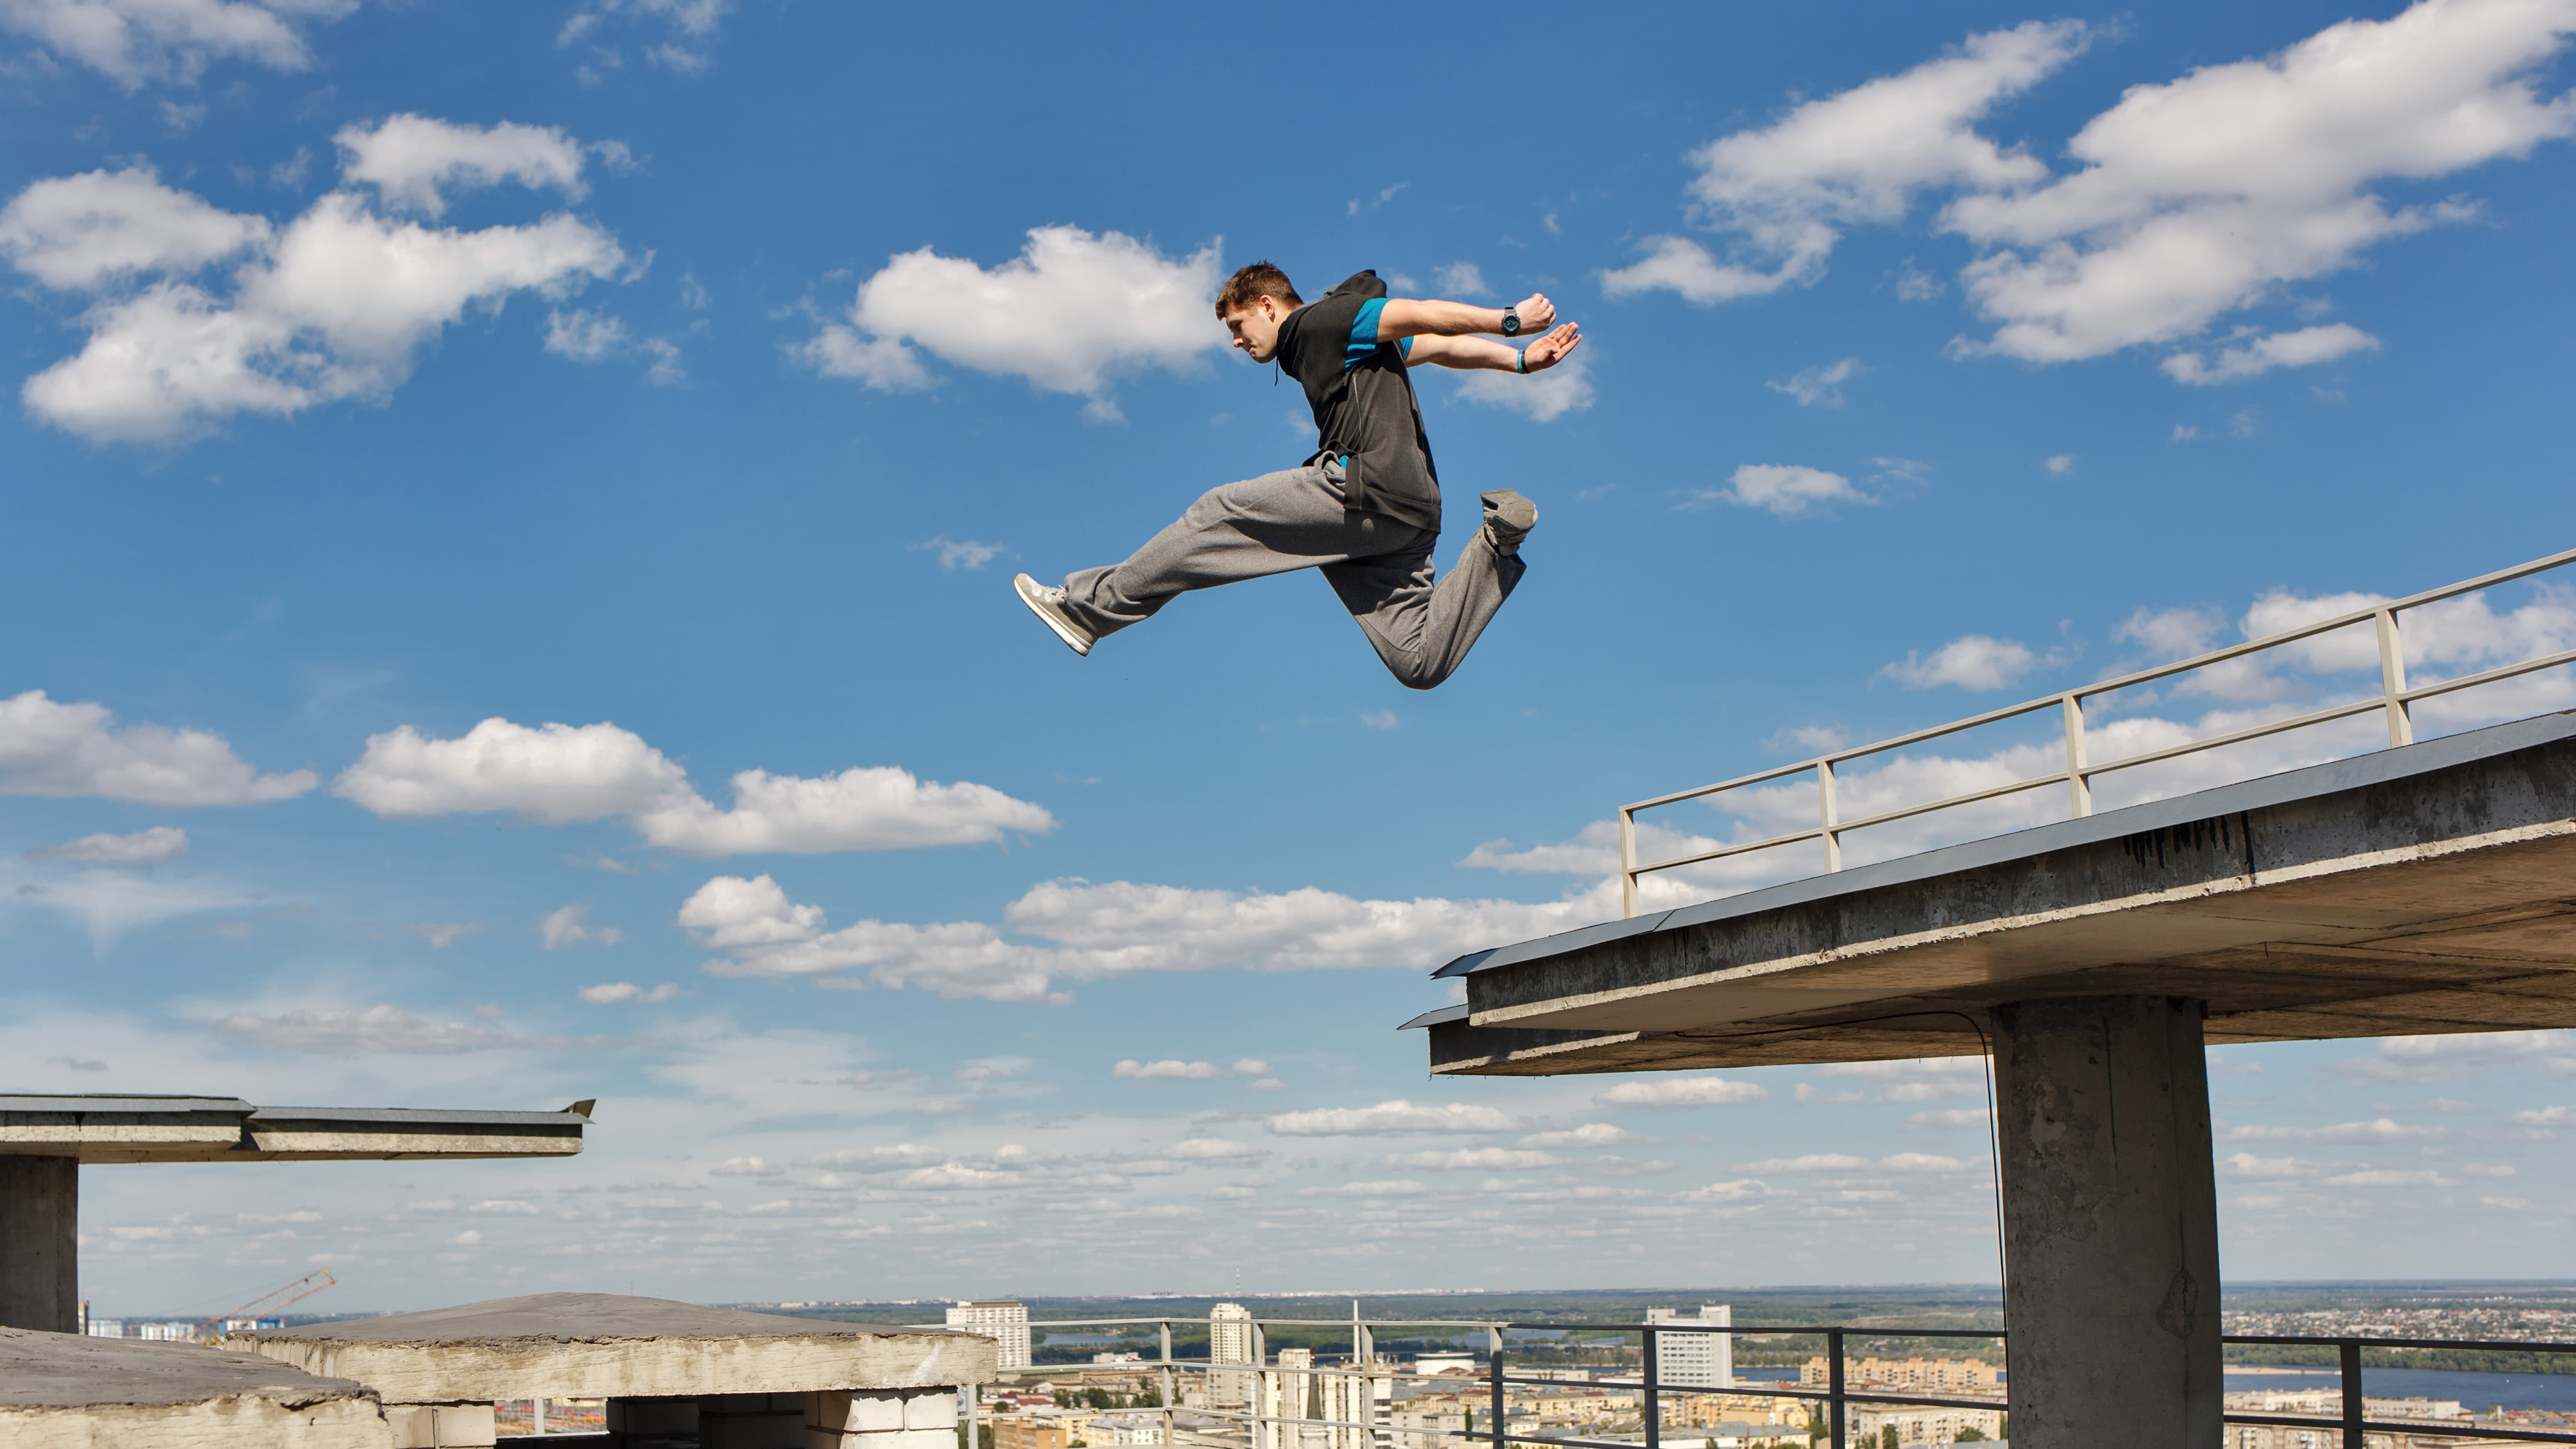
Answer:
(2476, 1392)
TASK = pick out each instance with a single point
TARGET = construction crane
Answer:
(269, 1302)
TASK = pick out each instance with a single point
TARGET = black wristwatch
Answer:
(1511, 322)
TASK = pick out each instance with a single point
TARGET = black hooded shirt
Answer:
(1365, 410)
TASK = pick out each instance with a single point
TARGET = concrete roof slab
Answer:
(2418, 890)
(123, 1129)
(584, 1345)
(68, 1391)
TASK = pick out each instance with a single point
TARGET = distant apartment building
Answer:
(1695, 1360)
(1231, 1339)
(1005, 1321)
(1028, 1431)
(1922, 1426)
(1933, 1375)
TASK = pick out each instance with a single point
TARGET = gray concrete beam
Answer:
(67, 1391)
(39, 1243)
(2110, 1222)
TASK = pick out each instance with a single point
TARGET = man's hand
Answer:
(1536, 312)
(1550, 350)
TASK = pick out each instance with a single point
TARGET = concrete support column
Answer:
(39, 1243)
(441, 1426)
(881, 1419)
(2110, 1222)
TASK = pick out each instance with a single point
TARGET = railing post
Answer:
(2079, 790)
(1627, 862)
(1654, 1402)
(1169, 1397)
(1494, 1360)
(1828, 815)
(2350, 1352)
(2392, 679)
(1834, 1387)
(965, 1401)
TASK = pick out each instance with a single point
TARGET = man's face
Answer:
(1256, 327)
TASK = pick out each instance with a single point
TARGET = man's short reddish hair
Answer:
(1258, 280)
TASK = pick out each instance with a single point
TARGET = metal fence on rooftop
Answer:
(1373, 1428)
(2394, 699)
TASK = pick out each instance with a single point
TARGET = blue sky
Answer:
(510, 531)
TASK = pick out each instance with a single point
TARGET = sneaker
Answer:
(1048, 604)
(1508, 519)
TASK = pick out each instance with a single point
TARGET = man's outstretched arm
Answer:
(1474, 353)
(1403, 317)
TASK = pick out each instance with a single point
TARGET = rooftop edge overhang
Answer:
(2418, 890)
(110, 1128)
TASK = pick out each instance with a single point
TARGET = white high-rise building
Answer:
(1005, 1321)
(1695, 1360)
(1230, 1340)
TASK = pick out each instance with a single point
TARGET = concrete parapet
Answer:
(441, 1426)
(67, 1391)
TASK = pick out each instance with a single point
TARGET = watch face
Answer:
(1511, 324)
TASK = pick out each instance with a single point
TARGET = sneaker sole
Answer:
(1023, 586)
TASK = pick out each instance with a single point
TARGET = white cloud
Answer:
(442, 934)
(1393, 1118)
(2246, 1164)
(80, 233)
(1461, 279)
(560, 773)
(1786, 490)
(584, 336)
(2447, 1058)
(609, 993)
(1491, 1159)
(1741, 1189)
(568, 926)
(1972, 661)
(745, 1167)
(992, 1069)
(2378, 1130)
(1820, 386)
(1071, 313)
(1149, 1071)
(2392, 1177)
(1384, 719)
(333, 306)
(1681, 1092)
(133, 41)
(1812, 1162)
(1212, 1149)
(868, 808)
(2303, 348)
(1094, 931)
(110, 902)
(2061, 464)
(1249, 1067)
(689, 27)
(355, 1033)
(2545, 1117)
(2208, 194)
(551, 775)
(144, 847)
(1949, 1117)
(1402, 1187)
(1590, 1134)
(1845, 1162)
(961, 553)
(48, 748)
(1543, 396)
(1786, 190)
(407, 158)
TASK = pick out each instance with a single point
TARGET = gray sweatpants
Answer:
(1278, 522)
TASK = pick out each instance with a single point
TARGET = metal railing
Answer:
(2394, 699)
(1372, 1428)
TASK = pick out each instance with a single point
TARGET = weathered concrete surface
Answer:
(64, 1391)
(2420, 890)
(604, 1345)
(106, 1128)
(2110, 1221)
(39, 1235)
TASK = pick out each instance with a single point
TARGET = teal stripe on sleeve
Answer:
(1363, 333)
(1404, 345)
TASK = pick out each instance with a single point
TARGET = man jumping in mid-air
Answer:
(1366, 508)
